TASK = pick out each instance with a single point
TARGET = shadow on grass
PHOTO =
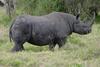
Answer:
(33, 48)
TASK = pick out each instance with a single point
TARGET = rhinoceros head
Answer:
(83, 27)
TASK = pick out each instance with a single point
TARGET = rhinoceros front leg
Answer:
(61, 42)
(18, 43)
(18, 47)
(51, 47)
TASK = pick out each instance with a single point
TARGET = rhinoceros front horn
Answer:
(93, 19)
(90, 22)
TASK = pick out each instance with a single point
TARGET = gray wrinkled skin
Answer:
(50, 29)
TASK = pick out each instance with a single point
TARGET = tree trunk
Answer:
(10, 7)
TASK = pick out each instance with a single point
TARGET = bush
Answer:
(40, 7)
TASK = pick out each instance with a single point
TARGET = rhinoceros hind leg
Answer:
(18, 47)
(18, 44)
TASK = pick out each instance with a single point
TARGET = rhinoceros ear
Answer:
(77, 16)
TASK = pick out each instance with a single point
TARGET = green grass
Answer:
(79, 51)
(4, 19)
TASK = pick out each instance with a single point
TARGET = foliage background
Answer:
(79, 51)
(41, 7)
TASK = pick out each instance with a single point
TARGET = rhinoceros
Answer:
(51, 29)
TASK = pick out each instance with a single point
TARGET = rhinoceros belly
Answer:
(40, 40)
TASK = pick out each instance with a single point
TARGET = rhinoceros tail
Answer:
(10, 35)
(10, 32)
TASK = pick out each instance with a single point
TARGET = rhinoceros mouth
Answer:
(84, 33)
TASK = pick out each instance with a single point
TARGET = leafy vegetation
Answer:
(39, 7)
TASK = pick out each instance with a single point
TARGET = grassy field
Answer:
(79, 51)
